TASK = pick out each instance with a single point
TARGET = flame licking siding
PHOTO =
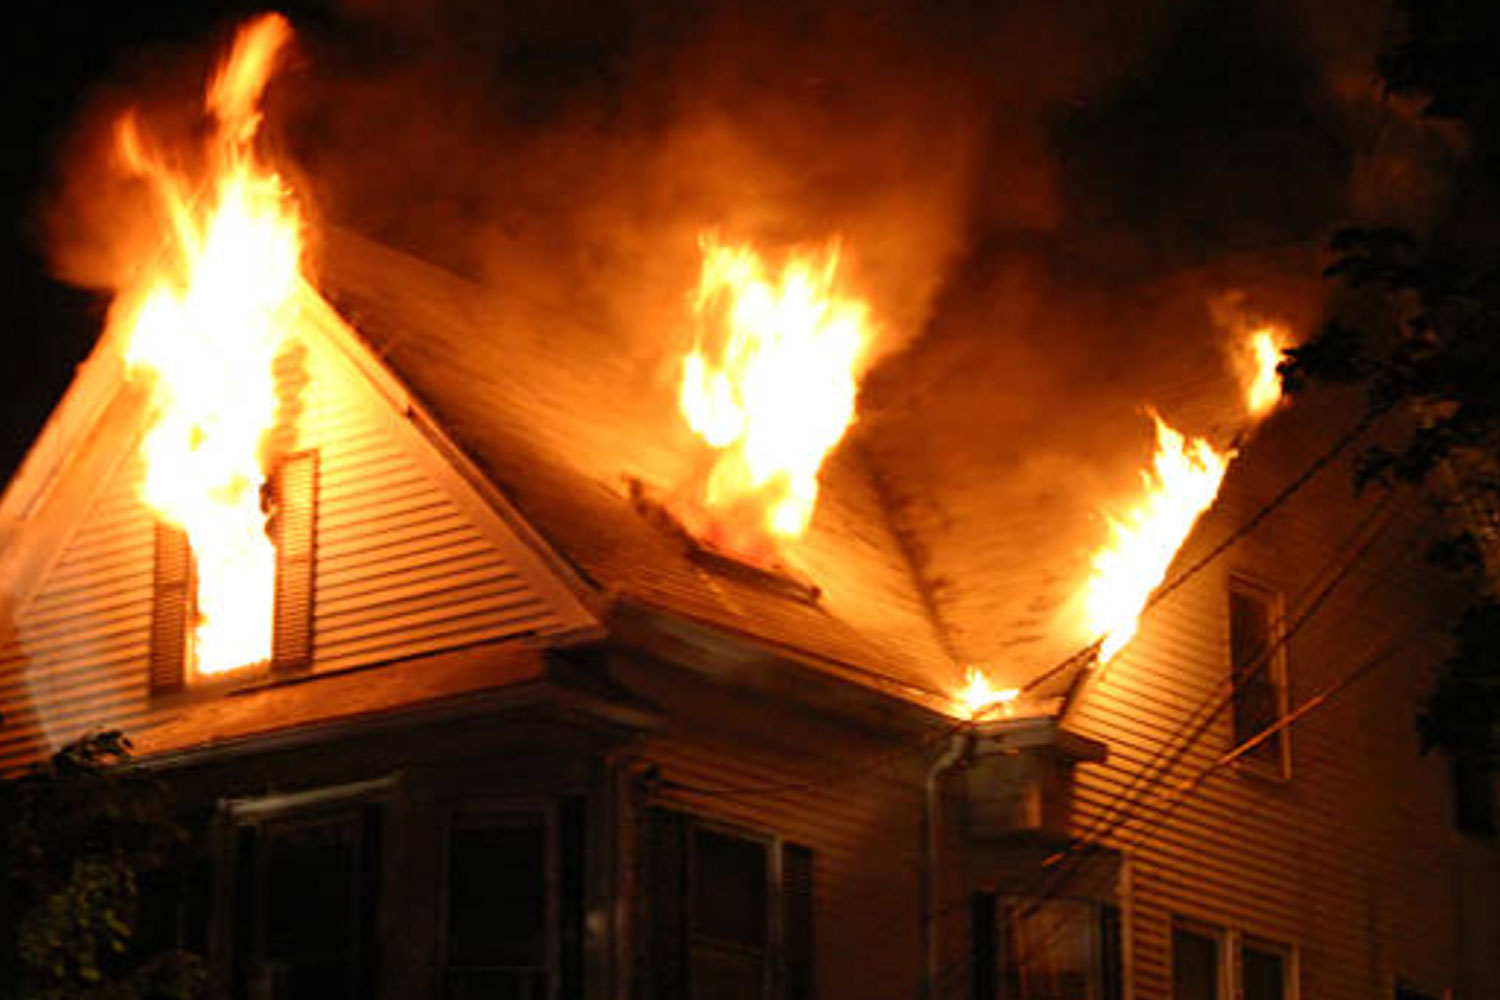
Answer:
(206, 317)
(401, 568)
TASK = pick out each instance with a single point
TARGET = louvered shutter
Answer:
(294, 531)
(171, 608)
(666, 897)
(797, 925)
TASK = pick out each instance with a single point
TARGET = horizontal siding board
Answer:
(524, 614)
(401, 570)
(396, 596)
(1328, 861)
(353, 569)
(436, 528)
(415, 567)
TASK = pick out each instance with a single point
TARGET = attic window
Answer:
(1258, 673)
(769, 574)
(291, 504)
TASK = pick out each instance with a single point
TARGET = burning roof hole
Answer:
(768, 573)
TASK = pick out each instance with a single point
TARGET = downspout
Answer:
(960, 749)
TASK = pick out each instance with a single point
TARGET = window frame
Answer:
(1095, 943)
(172, 657)
(1291, 973)
(1276, 670)
(1223, 956)
(775, 977)
(1230, 944)
(549, 812)
(240, 817)
(771, 848)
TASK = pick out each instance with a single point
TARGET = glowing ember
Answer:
(1182, 483)
(1262, 385)
(770, 385)
(979, 696)
(207, 322)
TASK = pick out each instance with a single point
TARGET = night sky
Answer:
(1098, 157)
(56, 56)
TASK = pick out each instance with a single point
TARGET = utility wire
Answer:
(1179, 793)
(1083, 655)
(1119, 809)
(1182, 790)
(1169, 751)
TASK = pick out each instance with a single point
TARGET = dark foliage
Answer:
(79, 835)
(1435, 355)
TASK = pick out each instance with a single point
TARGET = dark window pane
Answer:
(1251, 634)
(308, 900)
(1474, 795)
(1407, 993)
(1048, 952)
(729, 889)
(310, 892)
(1265, 974)
(1195, 965)
(497, 984)
(726, 973)
(497, 894)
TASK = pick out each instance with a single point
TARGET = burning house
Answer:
(488, 660)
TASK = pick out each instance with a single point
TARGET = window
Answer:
(1055, 949)
(307, 902)
(1473, 794)
(1265, 971)
(728, 914)
(507, 933)
(1405, 991)
(1258, 673)
(290, 502)
(1196, 962)
(1201, 970)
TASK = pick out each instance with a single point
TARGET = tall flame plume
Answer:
(1182, 483)
(205, 325)
(770, 386)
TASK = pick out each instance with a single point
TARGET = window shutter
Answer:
(666, 905)
(171, 608)
(985, 943)
(294, 531)
(797, 926)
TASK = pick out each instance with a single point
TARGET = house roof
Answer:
(927, 559)
(953, 529)
(564, 430)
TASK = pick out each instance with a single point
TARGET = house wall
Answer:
(1352, 859)
(407, 564)
(854, 796)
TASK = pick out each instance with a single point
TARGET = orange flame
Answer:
(979, 696)
(770, 385)
(1181, 484)
(206, 324)
(1261, 355)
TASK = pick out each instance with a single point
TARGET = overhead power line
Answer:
(883, 759)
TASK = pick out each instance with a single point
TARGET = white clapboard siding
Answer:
(1339, 860)
(863, 827)
(402, 568)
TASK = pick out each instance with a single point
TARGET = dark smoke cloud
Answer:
(1042, 200)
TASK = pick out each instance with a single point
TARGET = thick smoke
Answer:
(1043, 202)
